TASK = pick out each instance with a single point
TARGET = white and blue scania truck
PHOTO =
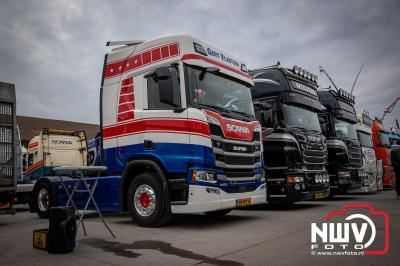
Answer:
(178, 133)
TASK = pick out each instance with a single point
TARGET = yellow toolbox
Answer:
(40, 238)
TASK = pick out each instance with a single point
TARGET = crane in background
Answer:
(355, 81)
(322, 70)
(390, 108)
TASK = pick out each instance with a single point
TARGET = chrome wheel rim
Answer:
(43, 200)
(144, 200)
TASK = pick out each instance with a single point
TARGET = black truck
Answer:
(344, 152)
(8, 148)
(295, 154)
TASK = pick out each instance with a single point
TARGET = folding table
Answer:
(77, 173)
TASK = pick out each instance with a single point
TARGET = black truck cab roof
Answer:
(287, 84)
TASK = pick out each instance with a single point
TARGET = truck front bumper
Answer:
(369, 184)
(205, 199)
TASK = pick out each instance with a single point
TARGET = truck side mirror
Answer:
(203, 72)
(263, 106)
(166, 91)
(160, 73)
(267, 118)
(324, 128)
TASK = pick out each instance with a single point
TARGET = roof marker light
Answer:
(199, 49)
(296, 70)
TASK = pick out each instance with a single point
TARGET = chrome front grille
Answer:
(238, 158)
(314, 155)
(355, 156)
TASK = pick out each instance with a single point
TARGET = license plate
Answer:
(243, 202)
(319, 195)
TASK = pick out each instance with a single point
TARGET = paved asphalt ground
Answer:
(268, 236)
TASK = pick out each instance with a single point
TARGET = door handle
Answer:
(148, 145)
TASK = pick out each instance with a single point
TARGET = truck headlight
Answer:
(295, 179)
(262, 179)
(204, 176)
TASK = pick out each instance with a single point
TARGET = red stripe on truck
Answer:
(158, 124)
(34, 167)
(126, 104)
(141, 59)
(33, 145)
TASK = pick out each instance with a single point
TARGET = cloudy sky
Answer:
(53, 50)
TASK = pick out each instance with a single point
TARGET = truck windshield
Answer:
(383, 139)
(296, 117)
(365, 139)
(219, 91)
(344, 129)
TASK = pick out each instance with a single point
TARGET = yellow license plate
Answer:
(319, 195)
(243, 202)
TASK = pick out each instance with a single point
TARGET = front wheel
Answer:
(218, 213)
(43, 200)
(148, 202)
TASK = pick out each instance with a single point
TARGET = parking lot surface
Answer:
(260, 236)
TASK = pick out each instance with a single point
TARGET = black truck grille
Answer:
(314, 155)
(238, 160)
(6, 145)
(238, 173)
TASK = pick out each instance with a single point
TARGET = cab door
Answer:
(165, 123)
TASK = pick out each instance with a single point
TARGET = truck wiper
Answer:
(215, 107)
(301, 128)
(316, 131)
(242, 113)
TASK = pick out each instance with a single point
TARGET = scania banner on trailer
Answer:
(178, 132)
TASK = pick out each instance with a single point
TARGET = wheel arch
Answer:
(47, 180)
(136, 166)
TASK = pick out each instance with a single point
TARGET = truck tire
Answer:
(42, 200)
(218, 213)
(147, 201)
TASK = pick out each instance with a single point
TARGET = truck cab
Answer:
(181, 108)
(371, 180)
(295, 154)
(394, 137)
(52, 148)
(338, 121)
(382, 147)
